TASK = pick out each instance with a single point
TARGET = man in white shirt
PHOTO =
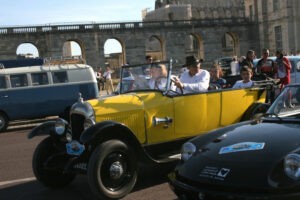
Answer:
(195, 79)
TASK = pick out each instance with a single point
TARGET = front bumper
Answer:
(188, 192)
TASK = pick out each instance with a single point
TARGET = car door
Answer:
(159, 117)
(4, 94)
(196, 113)
(235, 103)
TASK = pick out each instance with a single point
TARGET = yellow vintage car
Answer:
(147, 122)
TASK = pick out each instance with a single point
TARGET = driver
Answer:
(195, 79)
(158, 74)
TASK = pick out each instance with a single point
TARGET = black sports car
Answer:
(257, 159)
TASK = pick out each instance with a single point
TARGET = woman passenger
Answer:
(215, 76)
(158, 80)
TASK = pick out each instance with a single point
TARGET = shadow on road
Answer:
(149, 176)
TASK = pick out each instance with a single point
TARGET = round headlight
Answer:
(88, 123)
(60, 126)
(188, 149)
(292, 166)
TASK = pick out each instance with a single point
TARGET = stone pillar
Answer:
(175, 47)
(135, 50)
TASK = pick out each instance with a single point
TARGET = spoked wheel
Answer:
(112, 170)
(54, 178)
(3, 122)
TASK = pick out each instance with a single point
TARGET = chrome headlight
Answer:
(188, 149)
(292, 166)
(60, 126)
(88, 123)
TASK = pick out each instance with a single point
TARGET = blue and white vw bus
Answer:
(41, 91)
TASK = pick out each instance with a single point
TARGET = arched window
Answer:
(114, 53)
(27, 50)
(194, 46)
(72, 49)
(154, 47)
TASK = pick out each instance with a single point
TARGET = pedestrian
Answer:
(266, 66)
(250, 56)
(283, 66)
(234, 66)
(99, 78)
(108, 81)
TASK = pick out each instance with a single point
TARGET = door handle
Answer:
(166, 121)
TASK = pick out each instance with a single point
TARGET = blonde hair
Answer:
(164, 71)
(218, 68)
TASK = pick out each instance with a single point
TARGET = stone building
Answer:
(196, 9)
(277, 22)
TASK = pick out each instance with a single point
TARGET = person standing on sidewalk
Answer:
(108, 81)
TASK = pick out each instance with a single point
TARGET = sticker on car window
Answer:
(244, 146)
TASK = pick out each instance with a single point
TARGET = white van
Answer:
(41, 91)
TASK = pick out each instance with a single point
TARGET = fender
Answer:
(113, 130)
(254, 109)
(46, 128)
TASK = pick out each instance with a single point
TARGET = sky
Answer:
(39, 12)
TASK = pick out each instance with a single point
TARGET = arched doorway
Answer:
(72, 49)
(27, 50)
(229, 44)
(194, 45)
(114, 53)
(154, 48)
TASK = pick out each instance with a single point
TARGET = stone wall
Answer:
(212, 9)
(172, 38)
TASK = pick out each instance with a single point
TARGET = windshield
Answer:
(287, 103)
(153, 76)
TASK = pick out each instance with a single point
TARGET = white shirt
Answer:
(241, 84)
(197, 83)
(234, 65)
(161, 84)
(107, 74)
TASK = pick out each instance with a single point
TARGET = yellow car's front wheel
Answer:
(112, 170)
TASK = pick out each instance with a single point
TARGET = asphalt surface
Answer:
(17, 181)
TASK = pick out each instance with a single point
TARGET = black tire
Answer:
(3, 121)
(49, 177)
(105, 183)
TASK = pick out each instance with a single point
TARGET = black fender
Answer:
(254, 109)
(107, 130)
(46, 128)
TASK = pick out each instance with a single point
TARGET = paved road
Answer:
(18, 183)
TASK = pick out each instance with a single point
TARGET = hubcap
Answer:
(116, 170)
(1, 122)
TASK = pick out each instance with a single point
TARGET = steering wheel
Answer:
(175, 91)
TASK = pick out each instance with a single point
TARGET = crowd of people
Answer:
(195, 79)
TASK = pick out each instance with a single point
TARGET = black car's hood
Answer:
(240, 166)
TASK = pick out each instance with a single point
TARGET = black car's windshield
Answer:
(152, 76)
(287, 104)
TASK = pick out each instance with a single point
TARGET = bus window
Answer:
(39, 79)
(2, 82)
(19, 80)
(59, 77)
